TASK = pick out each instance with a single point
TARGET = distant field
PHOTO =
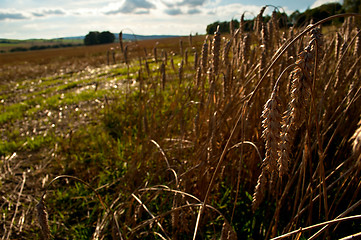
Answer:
(39, 56)
(8, 44)
(46, 55)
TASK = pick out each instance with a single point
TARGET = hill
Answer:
(14, 45)
(127, 36)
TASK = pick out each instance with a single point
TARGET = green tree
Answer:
(223, 26)
(316, 14)
(106, 37)
(91, 38)
(353, 6)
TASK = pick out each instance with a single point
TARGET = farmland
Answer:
(248, 135)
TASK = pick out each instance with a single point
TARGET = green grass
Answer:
(25, 144)
(40, 99)
(12, 112)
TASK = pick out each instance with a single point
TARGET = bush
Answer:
(19, 49)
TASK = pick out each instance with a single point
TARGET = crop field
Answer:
(247, 135)
(7, 45)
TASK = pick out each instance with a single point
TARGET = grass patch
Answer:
(17, 143)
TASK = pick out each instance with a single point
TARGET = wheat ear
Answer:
(204, 57)
(356, 145)
(216, 45)
(300, 91)
(271, 133)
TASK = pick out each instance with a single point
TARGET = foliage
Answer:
(93, 38)
(316, 14)
(297, 18)
(224, 27)
(352, 6)
(42, 47)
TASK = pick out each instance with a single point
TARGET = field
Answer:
(7, 45)
(249, 135)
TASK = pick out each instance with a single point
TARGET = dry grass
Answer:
(261, 115)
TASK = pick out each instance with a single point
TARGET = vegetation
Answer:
(10, 45)
(352, 6)
(41, 47)
(297, 18)
(317, 14)
(93, 38)
(249, 135)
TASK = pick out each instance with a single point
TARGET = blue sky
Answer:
(24, 19)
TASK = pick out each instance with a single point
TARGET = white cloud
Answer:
(133, 6)
(318, 3)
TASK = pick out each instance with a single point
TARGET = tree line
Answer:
(296, 19)
(42, 47)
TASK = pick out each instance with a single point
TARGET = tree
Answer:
(91, 38)
(317, 14)
(106, 37)
(352, 6)
(223, 26)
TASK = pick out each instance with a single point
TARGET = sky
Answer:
(25, 19)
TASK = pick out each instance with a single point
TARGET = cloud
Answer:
(178, 7)
(133, 6)
(193, 11)
(54, 12)
(46, 12)
(191, 3)
(182, 3)
(12, 15)
(232, 11)
(318, 3)
(173, 11)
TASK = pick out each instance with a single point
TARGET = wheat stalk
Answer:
(180, 72)
(42, 215)
(163, 75)
(356, 145)
(259, 20)
(196, 60)
(358, 44)
(225, 54)
(300, 91)
(260, 190)
(216, 45)
(155, 54)
(204, 57)
(271, 133)
(121, 41)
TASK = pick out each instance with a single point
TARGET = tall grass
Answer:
(252, 143)
(257, 138)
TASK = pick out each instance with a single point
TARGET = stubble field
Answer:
(249, 135)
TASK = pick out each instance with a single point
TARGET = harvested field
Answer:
(253, 135)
